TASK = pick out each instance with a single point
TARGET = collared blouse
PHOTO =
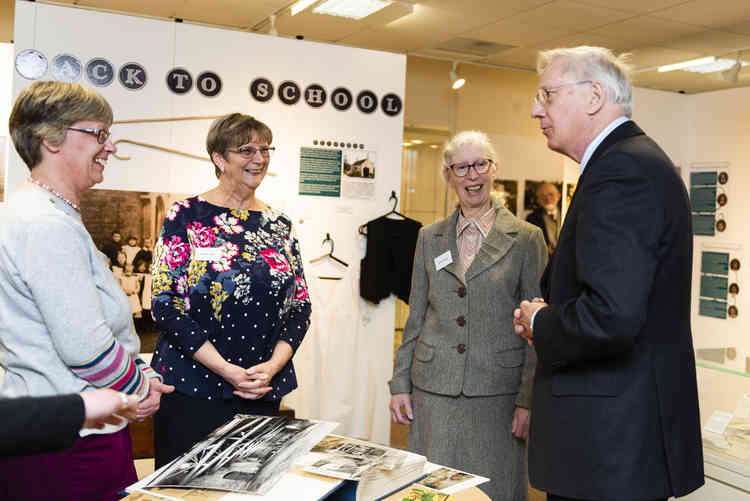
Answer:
(233, 277)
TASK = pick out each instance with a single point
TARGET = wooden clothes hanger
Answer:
(329, 254)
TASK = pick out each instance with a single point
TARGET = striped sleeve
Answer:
(114, 368)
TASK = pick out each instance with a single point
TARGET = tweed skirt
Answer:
(472, 434)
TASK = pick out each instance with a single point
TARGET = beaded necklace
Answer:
(54, 192)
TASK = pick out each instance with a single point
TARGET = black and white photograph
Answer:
(348, 458)
(125, 226)
(248, 454)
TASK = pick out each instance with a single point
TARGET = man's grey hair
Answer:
(596, 64)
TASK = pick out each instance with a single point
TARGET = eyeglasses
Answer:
(250, 151)
(543, 94)
(101, 134)
(480, 166)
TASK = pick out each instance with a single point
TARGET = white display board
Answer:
(237, 59)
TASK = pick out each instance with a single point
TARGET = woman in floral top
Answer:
(229, 296)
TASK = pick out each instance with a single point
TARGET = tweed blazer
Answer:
(459, 337)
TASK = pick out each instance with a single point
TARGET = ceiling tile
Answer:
(646, 30)
(394, 40)
(515, 58)
(490, 9)
(742, 28)
(637, 6)
(588, 38)
(552, 21)
(649, 57)
(710, 42)
(709, 13)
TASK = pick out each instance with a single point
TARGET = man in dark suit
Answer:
(547, 215)
(615, 403)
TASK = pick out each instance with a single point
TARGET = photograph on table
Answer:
(450, 481)
(247, 454)
(349, 458)
(124, 226)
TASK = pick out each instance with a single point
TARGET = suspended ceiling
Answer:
(503, 33)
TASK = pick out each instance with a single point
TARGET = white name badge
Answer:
(207, 253)
(443, 260)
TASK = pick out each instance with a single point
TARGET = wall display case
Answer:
(725, 416)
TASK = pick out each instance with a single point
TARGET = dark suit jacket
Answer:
(31, 425)
(615, 405)
(536, 217)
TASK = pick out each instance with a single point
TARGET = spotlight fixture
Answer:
(732, 75)
(456, 81)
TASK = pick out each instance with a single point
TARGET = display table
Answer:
(471, 494)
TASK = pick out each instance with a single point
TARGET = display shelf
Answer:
(726, 455)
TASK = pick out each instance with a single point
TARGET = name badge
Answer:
(443, 260)
(207, 253)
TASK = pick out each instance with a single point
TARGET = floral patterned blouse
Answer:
(233, 277)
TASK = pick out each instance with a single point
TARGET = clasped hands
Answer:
(251, 383)
(522, 318)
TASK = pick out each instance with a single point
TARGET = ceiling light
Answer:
(354, 9)
(718, 65)
(301, 5)
(686, 64)
(456, 81)
(416, 141)
(407, 144)
(434, 146)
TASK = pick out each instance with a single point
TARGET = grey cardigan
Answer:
(459, 337)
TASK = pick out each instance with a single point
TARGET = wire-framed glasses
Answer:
(250, 151)
(543, 94)
(480, 166)
(101, 134)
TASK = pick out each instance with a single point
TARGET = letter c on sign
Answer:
(289, 92)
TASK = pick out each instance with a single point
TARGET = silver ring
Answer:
(124, 399)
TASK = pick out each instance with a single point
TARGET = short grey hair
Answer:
(466, 138)
(597, 64)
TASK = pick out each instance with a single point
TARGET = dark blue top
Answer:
(233, 277)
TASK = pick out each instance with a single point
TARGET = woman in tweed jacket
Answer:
(462, 378)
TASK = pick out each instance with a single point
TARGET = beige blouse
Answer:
(470, 233)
